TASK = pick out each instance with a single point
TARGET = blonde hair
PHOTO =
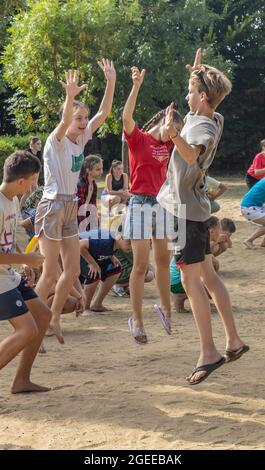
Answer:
(213, 82)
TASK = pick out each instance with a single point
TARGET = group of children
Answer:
(169, 159)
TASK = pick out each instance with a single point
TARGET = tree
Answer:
(239, 36)
(52, 36)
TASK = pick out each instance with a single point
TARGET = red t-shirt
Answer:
(257, 164)
(148, 160)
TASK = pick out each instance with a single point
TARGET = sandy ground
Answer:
(109, 393)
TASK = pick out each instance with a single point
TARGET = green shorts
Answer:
(177, 288)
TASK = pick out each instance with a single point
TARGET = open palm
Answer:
(108, 68)
(71, 85)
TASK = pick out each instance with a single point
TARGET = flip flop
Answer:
(138, 334)
(165, 321)
(208, 369)
(234, 355)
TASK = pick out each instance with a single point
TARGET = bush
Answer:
(9, 144)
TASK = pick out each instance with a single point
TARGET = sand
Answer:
(109, 393)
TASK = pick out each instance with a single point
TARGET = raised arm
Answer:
(127, 116)
(188, 152)
(197, 61)
(106, 104)
(71, 89)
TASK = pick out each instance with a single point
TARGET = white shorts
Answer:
(253, 213)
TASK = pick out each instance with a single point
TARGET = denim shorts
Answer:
(145, 219)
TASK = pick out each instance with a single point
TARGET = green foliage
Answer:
(10, 144)
(240, 39)
(52, 37)
(47, 37)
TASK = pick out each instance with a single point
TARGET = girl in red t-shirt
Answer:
(257, 169)
(149, 151)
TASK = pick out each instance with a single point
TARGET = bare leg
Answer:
(221, 298)
(140, 250)
(179, 300)
(70, 255)
(162, 274)
(25, 331)
(258, 233)
(41, 315)
(200, 305)
(103, 290)
(89, 291)
(51, 250)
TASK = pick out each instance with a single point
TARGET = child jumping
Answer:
(194, 151)
(56, 217)
(149, 151)
(19, 304)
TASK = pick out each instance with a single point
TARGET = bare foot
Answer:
(42, 349)
(28, 387)
(85, 313)
(56, 327)
(100, 308)
(49, 332)
(182, 310)
(248, 244)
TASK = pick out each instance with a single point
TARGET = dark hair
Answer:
(76, 104)
(89, 163)
(33, 140)
(212, 222)
(159, 116)
(228, 225)
(114, 163)
(20, 164)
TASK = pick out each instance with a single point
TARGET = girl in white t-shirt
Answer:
(56, 216)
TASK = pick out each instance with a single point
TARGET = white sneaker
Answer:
(119, 291)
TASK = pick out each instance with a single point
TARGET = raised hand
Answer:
(108, 68)
(137, 76)
(169, 121)
(71, 86)
(197, 61)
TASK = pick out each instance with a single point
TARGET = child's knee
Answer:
(29, 333)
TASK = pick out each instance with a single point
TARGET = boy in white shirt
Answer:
(19, 304)
(56, 216)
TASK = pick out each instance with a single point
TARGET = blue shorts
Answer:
(12, 302)
(145, 219)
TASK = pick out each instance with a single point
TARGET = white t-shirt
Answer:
(62, 163)
(9, 278)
